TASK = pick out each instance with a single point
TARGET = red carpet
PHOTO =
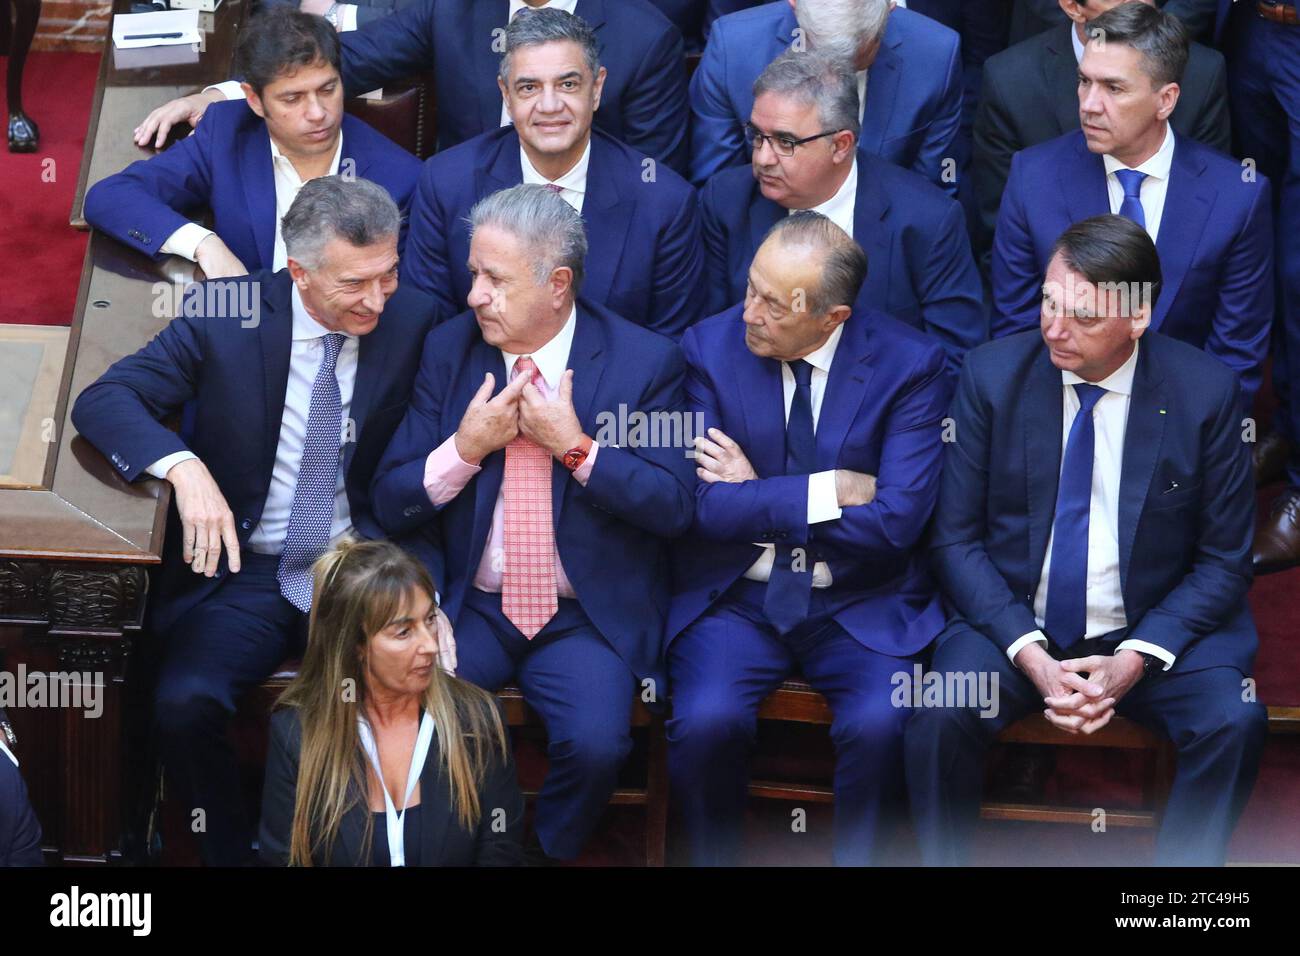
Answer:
(36, 191)
(34, 215)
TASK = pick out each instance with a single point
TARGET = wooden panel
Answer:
(31, 368)
(1144, 819)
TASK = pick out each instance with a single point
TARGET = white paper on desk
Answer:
(184, 22)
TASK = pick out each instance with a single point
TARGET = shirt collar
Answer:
(553, 357)
(1076, 42)
(1119, 381)
(1157, 166)
(574, 180)
(839, 208)
(305, 328)
(279, 159)
(825, 354)
(567, 6)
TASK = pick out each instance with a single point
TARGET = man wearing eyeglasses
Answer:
(802, 136)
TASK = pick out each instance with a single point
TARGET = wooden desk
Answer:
(125, 95)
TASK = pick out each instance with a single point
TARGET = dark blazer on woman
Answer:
(444, 842)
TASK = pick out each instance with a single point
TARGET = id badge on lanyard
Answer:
(393, 819)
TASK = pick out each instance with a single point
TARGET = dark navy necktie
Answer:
(789, 589)
(1067, 580)
(1131, 207)
(312, 514)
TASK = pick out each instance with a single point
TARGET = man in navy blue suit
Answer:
(908, 71)
(1093, 539)
(298, 382)
(248, 159)
(20, 831)
(644, 101)
(920, 268)
(818, 471)
(641, 218)
(554, 555)
(1211, 218)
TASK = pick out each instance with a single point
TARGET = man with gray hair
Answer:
(908, 72)
(803, 133)
(297, 380)
(554, 564)
(817, 478)
(640, 216)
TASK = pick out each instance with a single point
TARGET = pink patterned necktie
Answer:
(528, 589)
(554, 188)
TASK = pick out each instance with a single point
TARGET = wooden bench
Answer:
(796, 702)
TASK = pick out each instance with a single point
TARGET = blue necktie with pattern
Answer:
(1066, 617)
(312, 514)
(789, 589)
(1131, 207)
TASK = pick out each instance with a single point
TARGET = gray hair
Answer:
(823, 79)
(842, 25)
(1158, 37)
(359, 212)
(548, 25)
(844, 263)
(548, 227)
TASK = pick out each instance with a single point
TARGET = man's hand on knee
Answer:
(206, 519)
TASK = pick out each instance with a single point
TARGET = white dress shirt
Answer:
(1154, 187)
(573, 184)
(1105, 598)
(567, 6)
(1076, 42)
(823, 500)
(185, 240)
(305, 357)
(839, 208)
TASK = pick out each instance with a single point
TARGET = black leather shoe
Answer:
(24, 135)
(1277, 539)
(1270, 455)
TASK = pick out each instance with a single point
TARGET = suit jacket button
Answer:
(412, 510)
(246, 523)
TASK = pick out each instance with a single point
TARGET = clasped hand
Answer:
(1078, 704)
(492, 422)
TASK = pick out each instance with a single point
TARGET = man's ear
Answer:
(298, 274)
(1071, 10)
(561, 284)
(254, 101)
(599, 86)
(1141, 321)
(837, 316)
(845, 144)
(505, 95)
(1168, 97)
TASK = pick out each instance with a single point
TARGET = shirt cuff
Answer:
(163, 465)
(1030, 638)
(1142, 647)
(583, 472)
(347, 17)
(823, 501)
(184, 242)
(230, 89)
(446, 474)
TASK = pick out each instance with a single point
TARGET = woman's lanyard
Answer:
(396, 835)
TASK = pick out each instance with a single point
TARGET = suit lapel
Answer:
(869, 208)
(1061, 74)
(761, 380)
(1083, 183)
(846, 388)
(258, 173)
(1142, 439)
(584, 358)
(360, 163)
(882, 93)
(276, 338)
(372, 350)
(608, 217)
(504, 168)
(1187, 208)
(1043, 422)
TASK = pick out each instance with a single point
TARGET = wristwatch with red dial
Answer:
(574, 457)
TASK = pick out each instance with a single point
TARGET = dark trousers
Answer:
(1218, 736)
(231, 641)
(583, 692)
(723, 666)
(1264, 94)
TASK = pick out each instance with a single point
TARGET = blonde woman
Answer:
(378, 757)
